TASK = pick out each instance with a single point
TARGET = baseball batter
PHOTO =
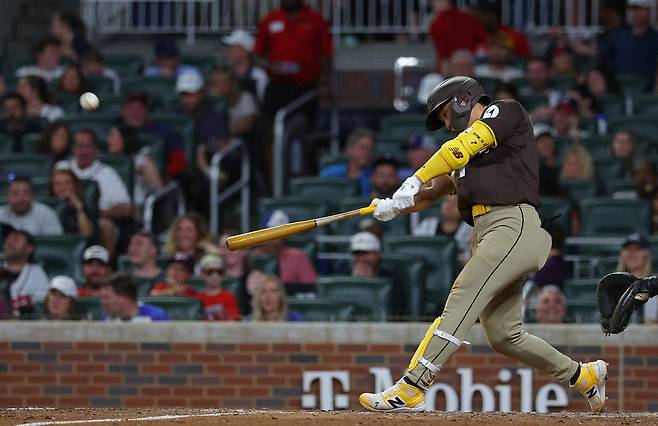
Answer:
(492, 165)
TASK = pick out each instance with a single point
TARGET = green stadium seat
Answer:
(392, 146)
(30, 143)
(613, 104)
(607, 264)
(144, 286)
(578, 190)
(178, 308)
(205, 64)
(156, 87)
(653, 242)
(604, 217)
(330, 160)
(396, 227)
(490, 84)
(440, 256)
(330, 189)
(100, 85)
(550, 207)
(562, 83)
(598, 146)
(90, 196)
(265, 263)
(123, 166)
(581, 289)
(6, 143)
(40, 187)
(35, 165)
(197, 283)
(109, 104)
(157, 149)
(60, 254)
(646, 104)
(125, 65)
(371, 297)
(632, 84)
(88, 308)
(609, 169)
(325, 310)
(643, 127)
(583, 311)
(409, 272)
(402, 125)
(99, 123)
(70, 103)
(297, 208)
(305, 242)
(619, 185)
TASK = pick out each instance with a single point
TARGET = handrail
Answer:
(279, 133)
(158, 194)
(241, 185)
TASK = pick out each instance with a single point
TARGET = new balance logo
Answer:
(456, 152)
(591, 393)
(395, 403)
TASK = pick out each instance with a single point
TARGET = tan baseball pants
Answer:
(508, 243)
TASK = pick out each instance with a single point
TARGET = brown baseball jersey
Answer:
(507, 174)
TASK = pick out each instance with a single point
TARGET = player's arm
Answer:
(430, 192)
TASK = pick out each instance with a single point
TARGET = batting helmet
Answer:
(462, 93)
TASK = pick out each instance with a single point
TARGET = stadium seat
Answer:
(157, 149)
(34, 165)
(632, 84)
(643, 127)
(60, 254)
(178, 308)
(409, 272)
(581, 289)
(144, 286)
(598, 146)
(305, 242)
(297, 208)
(613, 104)
(125, 65)
(101, 86)
(329, 189)
(607, 264)
(265, 263)
(30, 143)
(182, 124)
(603, 217)
(396, 227)
(609, 169)
(646, 104)
(583, 311)
(330, 160)
(123, 166)
(155, 87)
(196, 283)
(90, 196)
(620, 185)
(88, 308)
(402, 125)
(99, 123)
(6, 143)
(322, 309)
(371, 297)
(391, 146)
(551, 207)
(109, 104)
(205, 64)
(562, 83)
(578, 190)
(440, 256)
(70, 103)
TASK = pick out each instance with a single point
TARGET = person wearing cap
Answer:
(22, 282)
(180, 268)
(167, 59)
(143, 252)
(632, 49)
(59, 304)
(499, 64)
(566, 120)
(239, 53)
(635, 258)
(358, 149)
(95, 268)
(218, 304)
(365, 249)
(23, 212)
(119, 298)
(385, 177)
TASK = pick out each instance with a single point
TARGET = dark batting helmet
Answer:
(462, 93)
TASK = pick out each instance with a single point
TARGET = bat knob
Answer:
(371, 208)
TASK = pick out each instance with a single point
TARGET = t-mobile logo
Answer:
(328, 401)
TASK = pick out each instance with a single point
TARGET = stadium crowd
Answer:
(75, 182)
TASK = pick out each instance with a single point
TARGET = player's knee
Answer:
(501, 339)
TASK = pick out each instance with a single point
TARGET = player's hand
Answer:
(385, 210)
(404, 196)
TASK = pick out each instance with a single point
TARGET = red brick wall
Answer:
(262, 375)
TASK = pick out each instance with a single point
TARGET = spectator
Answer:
(588, 104)
(601, 82)
(453, 30)
(566, 120)
(56, 141)
(499, 65)
(635, 258)
(218, 304)
(548, 164)
(235, 266)
(632, 50)
(167, 59)
(95, 269)
(114, 203)
(189, 234)
(123, 140)
(180, 268)
(562, 63)
(93, 65)
(385, 178)
(37, 97)
(135, 113)
(143, 253)
(420, 147)
(59, 304)
(76, 218)
(23, 212)
(461, 62)
(271, 304)
(14, 120)
(22, 281)
(359, 149)
(48, 61)
(556, 270)
(119, 298)
(577, 164)
(539, 85)
(72, 82)
(645, 180)
(489, 15)
(552, 306)
(69, 29)
(623, 149)
(239, 54)
(242, 104)
(294, 265)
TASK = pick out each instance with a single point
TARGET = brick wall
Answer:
(51, 371)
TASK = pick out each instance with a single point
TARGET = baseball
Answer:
(89, 101)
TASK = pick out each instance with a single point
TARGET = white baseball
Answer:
(89, 101)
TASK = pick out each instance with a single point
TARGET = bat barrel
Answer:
(261, 236)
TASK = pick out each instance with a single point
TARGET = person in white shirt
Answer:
(499, 67)
(24, 213)
(48, 61)
(239, 54)
(38, 98)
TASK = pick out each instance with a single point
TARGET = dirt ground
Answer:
(113, 416)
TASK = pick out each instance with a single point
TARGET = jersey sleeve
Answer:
(502, 117)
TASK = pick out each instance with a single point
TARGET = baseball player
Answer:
(620, 294)
(492, 165)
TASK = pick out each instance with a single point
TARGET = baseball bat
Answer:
(261, 236)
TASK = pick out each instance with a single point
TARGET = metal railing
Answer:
(242, 185)
(158, 195)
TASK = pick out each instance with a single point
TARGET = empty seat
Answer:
(580, 289)
(646, 104)
(632, 84)
(60, 254)
(614, 218)
(34, 165)
(402, 125)
(409, 273)
(329, 189)
(583, 311)
(109, 104)
(613, 104)
(155, 87)
(178, 308)
(609, 169)
(578, 190)
(322, 309)
(607, 265)
(371, 297)
(125, 65)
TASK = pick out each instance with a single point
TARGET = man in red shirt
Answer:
(218, 304)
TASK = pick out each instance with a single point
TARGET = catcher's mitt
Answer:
(619, 294)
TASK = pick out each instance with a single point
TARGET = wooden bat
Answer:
(261, 236)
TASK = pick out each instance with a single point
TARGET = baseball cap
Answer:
(189, 82)
(420, 141)
(639, 3)
(98, 253)
(568, 104)
(386, 159)
(211, 261)
(184, 258)
(636, 239)
(240, 38)
(137, 96)
(275, 218)
(8, 229)
(365, 241)
(541, 129)
(65, 285)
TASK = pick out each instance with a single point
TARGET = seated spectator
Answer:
(69, 29)
(271, 304)
(65, 186)
(294, 265)
(365, 249)
(135, 113)
(48, 61)
(123, 140)
(239, 55)
(180, 268)
(114, 203)
(498, 66)
(167, 59)
(566, 120)
(95, 269)
(635, 258)
(143, 253)
(359, 149)
(420, 147)
(242, 106)
(38, 99)
(56, 141)
(72, 82)
(539, 81)
(22, 282)
(556, 270)
(93, 65)
(645, 180)
(548, 167)
(623, 149)
(385, 178)
(601, 82)
(461, 62)
(235, 266)
(23, 212)
(588, 105)
(562, 62)
(489, 14)
(218, 304)
(190, 234)
(552, 306)
(119, 297)
(14, 120)
(577, 164)
(59, 304)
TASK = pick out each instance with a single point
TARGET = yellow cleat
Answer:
(591, 383)
(399, 398)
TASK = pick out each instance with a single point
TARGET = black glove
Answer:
(619, 295)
